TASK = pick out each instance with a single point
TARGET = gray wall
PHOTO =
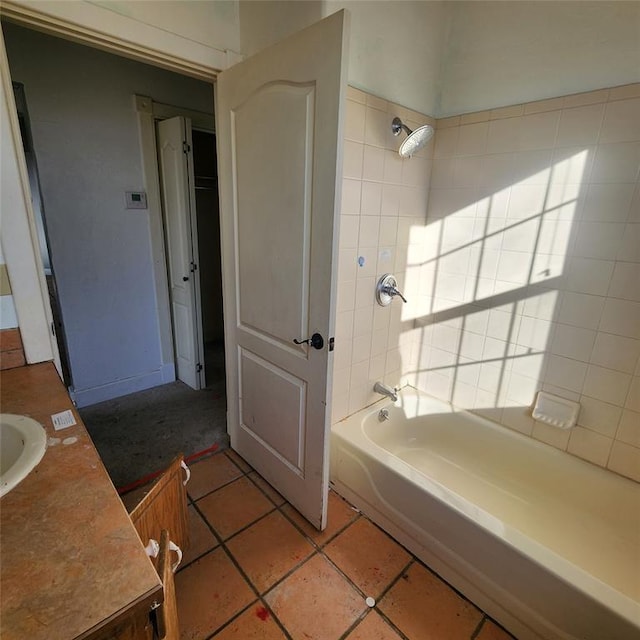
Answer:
(87, 146)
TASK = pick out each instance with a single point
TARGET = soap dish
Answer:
(555, 411)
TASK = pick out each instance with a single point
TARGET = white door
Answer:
(175, 158)
(279, 123)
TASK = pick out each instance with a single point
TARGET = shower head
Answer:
(415, 140)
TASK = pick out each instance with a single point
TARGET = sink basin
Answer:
(22, 444)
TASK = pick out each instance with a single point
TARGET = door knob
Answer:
(316, 341)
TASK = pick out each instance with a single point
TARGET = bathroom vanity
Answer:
(71, 562)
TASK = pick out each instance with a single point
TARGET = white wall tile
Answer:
(586, 275)
(573, 342)
(346, 295)
(553, 436)
(371, 198)
(445, 142)
(616, 352)
(599, 240)
(527, 201)
(581, 310)
(373, 163)
(472, 139)
(502, 136)
(565, 373)
(349, 231)
(589, 445)
(633, 398)
(607, 202)
(599, 416)
(629, 428)
(625, 459)
(621, 317)
(377, 129)
(606, 385)
(580, 125)
(354, 121)
(351, 190)
(617, 163)
(369, 230)
(630, 248)
(538, 131)
(621, 121)
(352, 160)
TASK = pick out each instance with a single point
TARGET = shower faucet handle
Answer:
(393, 291)
(387, 289)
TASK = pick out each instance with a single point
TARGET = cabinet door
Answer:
(167, 612)
(164, 507)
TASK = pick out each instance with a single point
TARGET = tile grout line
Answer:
(392, 584)
(245, 577)
(318, 549)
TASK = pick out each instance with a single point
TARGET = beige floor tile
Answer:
(239, 460)
(210, 474)
(273, 495)
(370, 558)
(316, 602)
(201, 539)
(255, 623)
(209, 592)
(373, 627)
(235, 506)
(491, 631)
(423, 606)
(269, 549)
(339, 515)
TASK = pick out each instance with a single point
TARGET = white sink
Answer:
(22, 444)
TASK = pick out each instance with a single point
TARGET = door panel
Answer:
(279, 118)
(272, 408)
(274, 179)
(178, 199)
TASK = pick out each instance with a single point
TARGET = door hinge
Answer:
(198, 368)
(186, 147)
(53, 329)
(193, 267)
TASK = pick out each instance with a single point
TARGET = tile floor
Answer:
(256, 569)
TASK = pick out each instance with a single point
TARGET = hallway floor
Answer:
(257, 570)
(140, 433)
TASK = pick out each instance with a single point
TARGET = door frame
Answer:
(20, 242)
(149, 112)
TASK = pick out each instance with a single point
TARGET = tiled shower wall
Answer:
(384, 199)
(530, 274)
(524, 274)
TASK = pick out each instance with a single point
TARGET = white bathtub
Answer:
(547, 544)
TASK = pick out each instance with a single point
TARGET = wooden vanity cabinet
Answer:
(164, 508)
(161, 515)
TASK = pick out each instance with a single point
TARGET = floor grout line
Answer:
(317, 548)
(246, 578)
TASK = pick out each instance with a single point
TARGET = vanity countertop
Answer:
(71, 562)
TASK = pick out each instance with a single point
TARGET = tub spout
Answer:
(383, 389)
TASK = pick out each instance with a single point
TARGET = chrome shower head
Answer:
(415, 140)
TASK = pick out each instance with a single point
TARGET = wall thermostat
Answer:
(136, 199)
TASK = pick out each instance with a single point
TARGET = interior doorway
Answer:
(109, 258)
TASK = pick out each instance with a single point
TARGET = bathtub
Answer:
(545, 543)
